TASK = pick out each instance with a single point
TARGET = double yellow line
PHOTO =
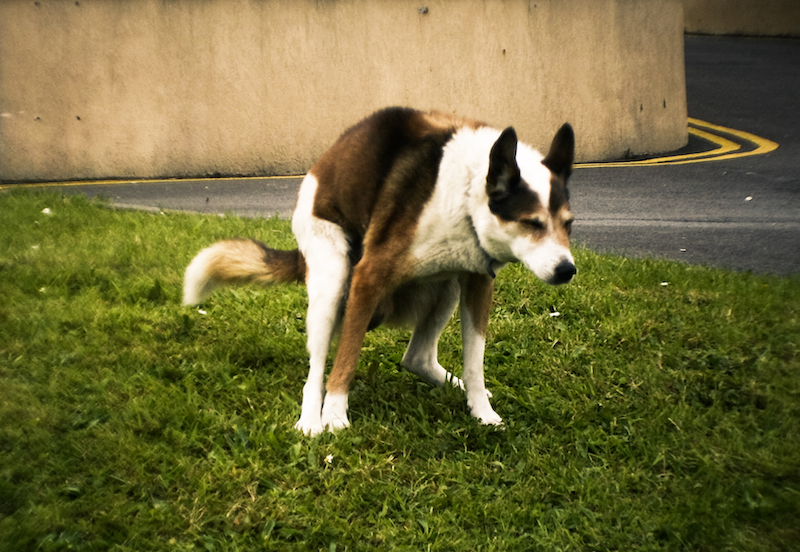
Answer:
(730, 144)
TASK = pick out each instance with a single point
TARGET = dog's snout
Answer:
(564, 272)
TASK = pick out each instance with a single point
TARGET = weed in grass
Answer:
(642, 417)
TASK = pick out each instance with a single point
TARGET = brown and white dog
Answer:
(407, 214)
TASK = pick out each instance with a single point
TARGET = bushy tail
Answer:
(239, 261)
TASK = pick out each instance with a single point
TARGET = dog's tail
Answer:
(237, 262)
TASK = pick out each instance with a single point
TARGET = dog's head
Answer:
(529, 219)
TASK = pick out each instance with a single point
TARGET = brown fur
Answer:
(360, 191)
(250, 261)
(377, 204)
(478, 290)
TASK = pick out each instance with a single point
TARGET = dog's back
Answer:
(381, 171)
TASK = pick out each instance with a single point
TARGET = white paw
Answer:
(334, 412)
(336, 424)
(310, 422)
(481, 409)
(310, 428)
(490, 418)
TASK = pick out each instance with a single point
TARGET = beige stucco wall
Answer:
(146, 88)
(743, 17)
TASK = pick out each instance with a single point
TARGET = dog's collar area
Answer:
(492, 264)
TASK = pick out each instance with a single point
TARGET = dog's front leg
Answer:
(476, 302)
(366, 290)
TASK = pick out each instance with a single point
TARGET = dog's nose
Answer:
(564, 272)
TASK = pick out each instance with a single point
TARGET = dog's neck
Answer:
(492, 264)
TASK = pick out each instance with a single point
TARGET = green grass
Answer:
(644, 417)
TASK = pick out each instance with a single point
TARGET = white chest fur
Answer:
(446, 240)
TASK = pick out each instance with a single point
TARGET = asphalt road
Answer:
(740, 213)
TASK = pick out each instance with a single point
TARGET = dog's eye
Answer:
(536, 223)
(568, 225)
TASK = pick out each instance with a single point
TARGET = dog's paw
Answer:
(310, 428)
(334, 412)
(336, 424)
(481, 409)
(310, 422)
(490, 418)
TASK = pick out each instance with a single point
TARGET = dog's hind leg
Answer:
(328, 274)
(439, 301)
(326, 290)
(325, 248)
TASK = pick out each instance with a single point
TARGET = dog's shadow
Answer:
(437, 419)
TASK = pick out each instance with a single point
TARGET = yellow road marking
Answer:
(762, 144)
(724, 146)
(117, 182)
(726, 149)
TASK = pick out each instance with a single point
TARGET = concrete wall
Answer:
(743, 17)
(145, 88)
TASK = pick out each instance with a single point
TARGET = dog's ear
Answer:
(562, 152)
(503, 173)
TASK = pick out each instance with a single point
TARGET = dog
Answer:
(406, 215)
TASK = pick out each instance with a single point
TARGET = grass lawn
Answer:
(660, 410)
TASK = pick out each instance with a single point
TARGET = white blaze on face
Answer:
(543, 258)
(544, 251)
